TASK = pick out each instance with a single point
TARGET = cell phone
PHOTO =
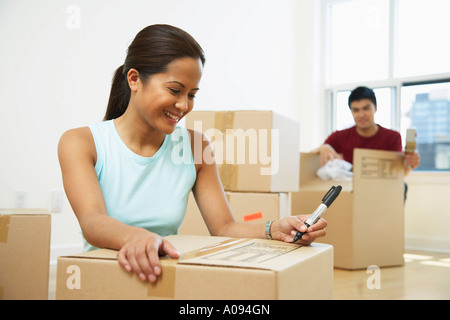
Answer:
(411, 140)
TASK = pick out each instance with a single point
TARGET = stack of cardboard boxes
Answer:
(257, 153)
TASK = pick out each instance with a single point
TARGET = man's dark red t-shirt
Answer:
(346, 140)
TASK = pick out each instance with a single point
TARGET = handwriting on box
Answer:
(376, 168)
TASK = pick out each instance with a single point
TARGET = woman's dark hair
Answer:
(362, 93)
(151, 51)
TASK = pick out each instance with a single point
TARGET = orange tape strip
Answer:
(253, 216)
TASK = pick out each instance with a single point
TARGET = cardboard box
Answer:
(246, 207)
(256, 151)
(210, 268)
(24, 254)
(366, 222)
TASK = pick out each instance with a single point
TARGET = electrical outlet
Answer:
(21, 198)
(56, 201)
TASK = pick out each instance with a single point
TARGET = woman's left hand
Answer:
(286, 229)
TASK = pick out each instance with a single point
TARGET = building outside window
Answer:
(426, 107)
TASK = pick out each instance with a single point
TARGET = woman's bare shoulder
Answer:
(77, 140)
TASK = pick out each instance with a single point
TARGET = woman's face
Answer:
(165, 98)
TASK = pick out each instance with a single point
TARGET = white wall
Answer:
(310, 108)
(56, 76)
(427, 212)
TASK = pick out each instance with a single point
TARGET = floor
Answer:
(52, 283)
(424, 276)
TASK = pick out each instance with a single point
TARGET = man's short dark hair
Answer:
(362, 93)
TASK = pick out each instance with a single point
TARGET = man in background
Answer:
(365, 134)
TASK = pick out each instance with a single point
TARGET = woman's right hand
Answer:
(141, 255)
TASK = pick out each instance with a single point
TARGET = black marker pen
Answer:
(326, 202)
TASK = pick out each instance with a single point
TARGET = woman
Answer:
(123, 176)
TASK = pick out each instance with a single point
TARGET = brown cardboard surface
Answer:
(255, 169)
(4, 227)
(248, 207)
(24, 253)
(99, 276)
(246, 253)
(365, 223)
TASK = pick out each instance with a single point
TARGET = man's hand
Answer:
(327, 153)
(412, 161)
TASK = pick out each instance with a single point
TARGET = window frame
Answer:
(395, 83)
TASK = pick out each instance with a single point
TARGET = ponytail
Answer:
(151, 51)
(119, 96)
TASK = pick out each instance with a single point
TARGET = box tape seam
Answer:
(213, 248)
(229, 176)
(224, 120)
(164, 287)
(4, 228)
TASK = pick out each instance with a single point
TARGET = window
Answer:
(400, 49)
(423, 44)
(426, 107)
(359, 41)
